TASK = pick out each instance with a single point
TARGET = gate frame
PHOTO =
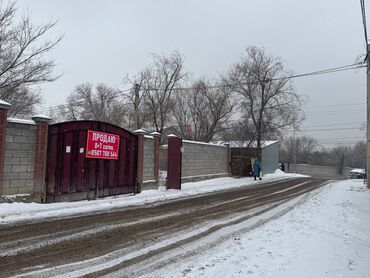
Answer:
(87, 193)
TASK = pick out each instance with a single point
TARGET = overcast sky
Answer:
(105, 40)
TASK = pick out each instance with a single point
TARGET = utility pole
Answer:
(368, 114)
(136, 105)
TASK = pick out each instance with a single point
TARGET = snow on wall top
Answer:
(4, 103)
(244, 144)
(203, 143)
(20, 121)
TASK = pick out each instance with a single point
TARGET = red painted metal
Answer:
(73, 176)
(174, 163)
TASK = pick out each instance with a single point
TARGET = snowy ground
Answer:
(327, 235)
(17, 212)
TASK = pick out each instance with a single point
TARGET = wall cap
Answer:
(155, 134)
(41, 118)
(203, 143)
(171, 136)
(4, 104)
(20, 121)
(139, 131)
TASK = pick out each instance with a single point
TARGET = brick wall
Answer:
(19, 158)
(203, 160)
(148, 166)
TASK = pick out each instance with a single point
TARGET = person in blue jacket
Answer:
(256, 169)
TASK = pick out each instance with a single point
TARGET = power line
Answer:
(335, 105)
(341, 143)
(319, 72)
(326, 129)
(341, 138)
(335, 111)
(351, 123)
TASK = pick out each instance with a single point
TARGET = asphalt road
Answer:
(123, 241)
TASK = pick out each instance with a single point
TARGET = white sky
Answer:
(105, 40)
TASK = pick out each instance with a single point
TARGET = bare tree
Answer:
(205, 107)
(238, 130)
(342, 154)
(302, 146)
(137, 111)
(23, 61)
(163, 76)
(24, 102)
(358, 155)
(102, 103)
(268, 96)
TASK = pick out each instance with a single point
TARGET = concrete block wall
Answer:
(18, 177)
(203, 160)
(318, 171)
(23, 145)
(148, 165)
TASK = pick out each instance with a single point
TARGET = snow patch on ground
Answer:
(327, 236)
(17, 212)
(279, 173)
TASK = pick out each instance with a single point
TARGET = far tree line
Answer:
(307, 150)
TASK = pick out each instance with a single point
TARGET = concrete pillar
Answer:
(42, 127)
(140, 159)
(157, 145)
(4, 106)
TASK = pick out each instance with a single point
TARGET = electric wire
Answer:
(314, 73)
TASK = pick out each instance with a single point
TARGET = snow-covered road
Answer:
(144, 239)
(328, 235)
(281, 228)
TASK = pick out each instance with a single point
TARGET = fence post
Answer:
(4, 106)
(42, 127)
(157, 144)
(174, 162)
(228, 159)
(140, 159)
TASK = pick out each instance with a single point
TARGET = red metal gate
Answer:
(72, 174)
(174, 163)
